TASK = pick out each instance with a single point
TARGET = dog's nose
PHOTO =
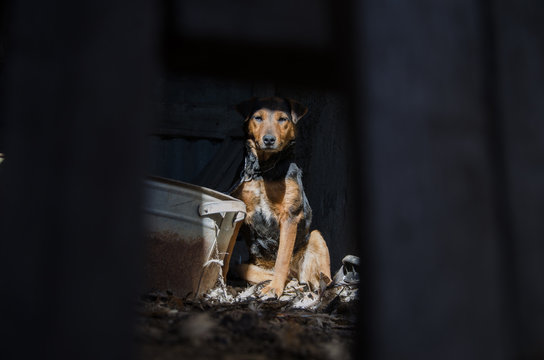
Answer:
(269, 140)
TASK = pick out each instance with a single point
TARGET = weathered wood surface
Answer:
(436, 286)
(199, 107)
(520, 100)
(75, 106)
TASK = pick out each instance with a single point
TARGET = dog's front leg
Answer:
(288, 233)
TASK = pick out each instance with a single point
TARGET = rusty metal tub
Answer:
(191, 231)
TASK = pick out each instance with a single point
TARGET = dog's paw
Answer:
(273, 289)
(316, 283)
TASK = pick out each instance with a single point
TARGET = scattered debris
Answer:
(235, 322)
(295, 296)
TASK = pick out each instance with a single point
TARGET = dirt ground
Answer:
(233, 322)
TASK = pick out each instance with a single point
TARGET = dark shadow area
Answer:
(75, 109)
(422, 152)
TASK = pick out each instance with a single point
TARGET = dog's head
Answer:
(270, 122)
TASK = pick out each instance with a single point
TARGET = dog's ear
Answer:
(246, 108)
(297, 110)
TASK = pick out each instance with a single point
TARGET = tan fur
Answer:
(254, 274)
(315, 261)
(280, 196)
(306, 265)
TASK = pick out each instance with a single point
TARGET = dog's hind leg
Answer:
(253, 273)
(314, 261)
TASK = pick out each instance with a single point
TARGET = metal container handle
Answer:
(210, 208)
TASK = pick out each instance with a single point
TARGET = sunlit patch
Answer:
(271, 130)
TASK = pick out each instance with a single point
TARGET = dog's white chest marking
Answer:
(265, 210)
(262, 206)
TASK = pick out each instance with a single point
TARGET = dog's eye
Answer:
(258, 118)
(282, 119)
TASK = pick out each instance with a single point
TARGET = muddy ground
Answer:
(233, 322)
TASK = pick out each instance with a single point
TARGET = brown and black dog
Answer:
(277, 225)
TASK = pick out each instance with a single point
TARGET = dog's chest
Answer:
(263, 202)
(269, 203)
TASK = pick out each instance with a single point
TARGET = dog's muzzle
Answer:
(269, 142)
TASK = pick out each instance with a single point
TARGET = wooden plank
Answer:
(199, 107)
(520, 54)
(224, 167)
(75, 113)
(198, 120)
(180, 158)
(181, 132)
(434, 289)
